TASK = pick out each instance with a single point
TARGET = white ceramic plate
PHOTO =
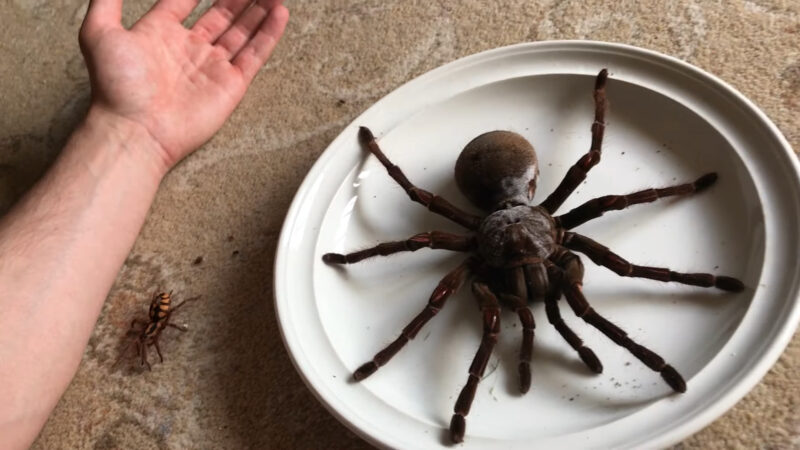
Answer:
(669, 122)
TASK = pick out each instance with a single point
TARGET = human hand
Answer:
(178, 84)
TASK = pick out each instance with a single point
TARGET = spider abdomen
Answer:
(516, 236)
(497, 168)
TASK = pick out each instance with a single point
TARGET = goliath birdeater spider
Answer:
(521, 253)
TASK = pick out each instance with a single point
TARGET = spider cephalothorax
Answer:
(521, 252)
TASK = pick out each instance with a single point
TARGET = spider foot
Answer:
(729, 284)
(334, 258)
(590, 359)
(600, 82)
(705, 182)
(458, 426)
(365, 136)
(673, 379)
(365, 370)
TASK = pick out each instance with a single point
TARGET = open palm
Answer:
(179, 83)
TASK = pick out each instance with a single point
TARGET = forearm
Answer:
(77, 224)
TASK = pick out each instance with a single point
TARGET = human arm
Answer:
(159, 90)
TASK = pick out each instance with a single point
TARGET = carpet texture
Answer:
(228, 382)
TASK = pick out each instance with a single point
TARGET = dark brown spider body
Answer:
(516, 236)
(521, 252)
(158, 315)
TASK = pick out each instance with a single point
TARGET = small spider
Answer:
(520, 252)
(158, 320)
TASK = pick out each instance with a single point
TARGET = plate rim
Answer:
(700, 420)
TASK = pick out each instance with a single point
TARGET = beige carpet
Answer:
(228, 382)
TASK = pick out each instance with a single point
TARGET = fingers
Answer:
(245, 26)
(219, 18)
(257, 50)
(178, 10)
(102, 14)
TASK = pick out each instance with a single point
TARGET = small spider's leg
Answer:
(491, 328)
(596, 207)
(142, 346)
(158, 349)
(197, 297)
(577, 173)
(554, 315)
(434, 240)
(582, 309)
(602, 256)
(446, 287)
(178, 327)
(433, 202)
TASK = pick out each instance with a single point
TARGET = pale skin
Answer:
(159, 91)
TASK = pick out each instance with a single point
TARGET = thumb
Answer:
(102, 14)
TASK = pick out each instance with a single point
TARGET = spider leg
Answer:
(519, 284)
(446, 287)
(577, 173)
(603, 256)
(595, 208)
(582, 309)
(433, 202)
(197, 297)
(526, 350)
(574, 266)
(491, 328)
(158, 349)
(434, 240)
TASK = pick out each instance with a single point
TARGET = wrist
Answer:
(129, 138)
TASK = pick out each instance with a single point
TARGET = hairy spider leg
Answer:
(433, 202)
(518, 285)
(554, 317)
(603, 256)
(582, 309)
(526, 349)
(585, 353)
(433, 240)
(595, 208)
(446, 287)
(490, 308)
(577, 173)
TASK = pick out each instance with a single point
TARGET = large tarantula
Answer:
(522, 253)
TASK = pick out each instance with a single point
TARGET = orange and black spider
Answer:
(158, 320)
